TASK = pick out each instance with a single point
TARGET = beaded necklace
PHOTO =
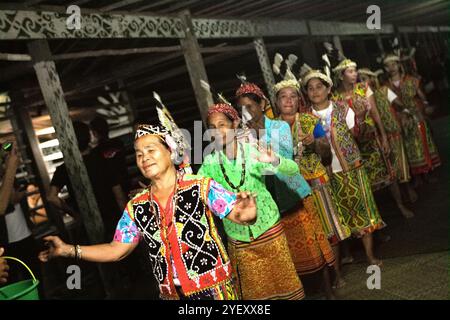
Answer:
(227, 179)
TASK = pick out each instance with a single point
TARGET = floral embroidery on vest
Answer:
(191, 243)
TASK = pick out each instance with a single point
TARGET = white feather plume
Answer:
(327, 65)
(291, 60)
(276, 69)
(327, 61)
(158, 98)
(278, 59)
(242, 77)
(305, 68)
(289, 75)
(103, 100)
(395, 42)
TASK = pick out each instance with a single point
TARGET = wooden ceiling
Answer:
(399, 12)
(83, 79)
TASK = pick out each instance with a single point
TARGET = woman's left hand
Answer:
(266, 155)
(245, 208)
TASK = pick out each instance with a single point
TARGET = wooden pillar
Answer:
(195, 65)
(53, 94)
(266, 68)
(23, 120)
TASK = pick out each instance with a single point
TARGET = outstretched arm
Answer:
(107, 252)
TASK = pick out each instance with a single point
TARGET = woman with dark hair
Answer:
(174, 216)
(420, 148)
(349, 181)
(372, 138)
(307, 241)
(259, 253)
(313, 155)
(391, 111)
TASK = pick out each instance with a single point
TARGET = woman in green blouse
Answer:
(259, 253)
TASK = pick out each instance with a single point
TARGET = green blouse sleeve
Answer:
(286, 167)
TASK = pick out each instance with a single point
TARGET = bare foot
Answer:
(408, 214)
(339, 283)
(376, 262)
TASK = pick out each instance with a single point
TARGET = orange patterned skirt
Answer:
(264, 267)
(308, 243)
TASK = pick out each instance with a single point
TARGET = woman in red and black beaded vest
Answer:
(174, 216)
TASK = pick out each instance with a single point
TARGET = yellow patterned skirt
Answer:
(264, 267)
(420, 148)
(354, 197)
(378, 167)
(398, 157)
(309, 245)
(328, 212)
